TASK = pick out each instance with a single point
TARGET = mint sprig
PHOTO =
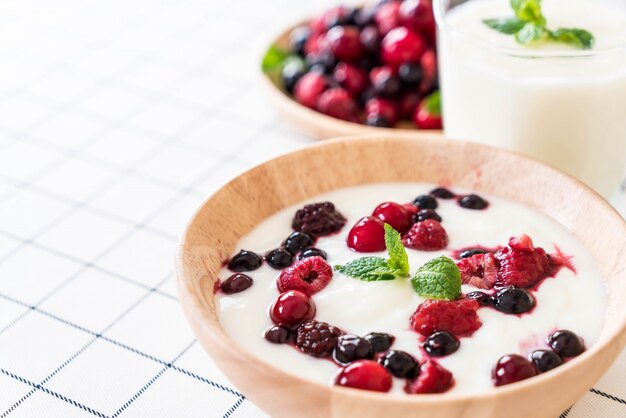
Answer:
(439, 278)
(529, 26)
(377, 268)
(433, 103)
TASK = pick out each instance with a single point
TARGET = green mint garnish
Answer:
(529, 26)
(433, 103)
(377, 268)
(439, 278)
(273, 59)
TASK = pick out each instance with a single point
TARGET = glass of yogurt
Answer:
(551, 101)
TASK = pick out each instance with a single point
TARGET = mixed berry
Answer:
(507, 276)
(374, 65)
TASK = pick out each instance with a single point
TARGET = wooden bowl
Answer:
(316, 124)
(240, 205)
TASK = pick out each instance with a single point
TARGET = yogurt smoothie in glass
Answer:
(552, 101)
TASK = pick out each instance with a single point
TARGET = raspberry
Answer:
(479, 270)
(338, 103)
(365, 374)
(433, 378)
(522, 268)
(309, 275)
(457, 317)
(318, 219)
(427, 235)
(317, 338)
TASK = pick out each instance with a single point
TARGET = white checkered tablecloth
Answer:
(117, 118)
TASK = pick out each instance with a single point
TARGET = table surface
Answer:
(117, 118)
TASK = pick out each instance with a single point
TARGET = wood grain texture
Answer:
(317, 124)
(241, 204)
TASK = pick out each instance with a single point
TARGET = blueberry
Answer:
(370, 39)
(441, 343)
(566, 344)
(545, 360)
(364, 16)
(291, 73)
(379, 341)
(278, 334)
(351, 347)
(425, 202)
(400, 364)
(472, 201)
(298, 38)
(245, 261)
(368, 93)
(279, 258)
(424, 214)
(442, 193)
(410, 74)
(514, 300)
(387, 85)
(471, 251)
(377, 120)
(323, 62)
(482, 298)
(298, 241)
(312, 252)
(236, 283)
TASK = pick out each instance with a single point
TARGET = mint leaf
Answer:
(528, 11)
(577, 37)
(398, 258)
(273, 59)
(508, 26)
(368, 269)
(439, 278)
(433, 103)
(531, 32)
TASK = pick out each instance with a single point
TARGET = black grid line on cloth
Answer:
(608, 396)
(566, 412)
(234, 407)
(151, 381)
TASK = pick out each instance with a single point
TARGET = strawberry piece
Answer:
(309, 276)
(433, 378)
(309, 88)
(338, 103)
(458, 317)
(365, 374)
(427, 235)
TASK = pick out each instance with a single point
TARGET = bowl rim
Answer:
(219, 336)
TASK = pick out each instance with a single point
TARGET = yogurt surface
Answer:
(574, 301)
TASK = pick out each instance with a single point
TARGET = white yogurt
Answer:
(567, 111)
(571, 301)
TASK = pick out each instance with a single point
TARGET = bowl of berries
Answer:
(429, 278)
(354, 70)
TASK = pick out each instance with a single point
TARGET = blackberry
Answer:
(317, 338)
(351, 347)
(318, 219)
(312, 252)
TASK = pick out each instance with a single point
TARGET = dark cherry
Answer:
(424, 214)
(245, 261)
(291, 308)
(298, 38)
(441, 343)
(482, 298)
(291, 73)
(298, 241)
(514, 300)
(545, 360)
(400, 364)
(278, 334)
(236, 283)
(379, 341)
(512, 368)
(471, 251)
(351, 347)
(312, 252)
(425, 202)
(442, 193)
(410, 74)
(279, 258)
(472, 201)
(566, 344)
(377, 120)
